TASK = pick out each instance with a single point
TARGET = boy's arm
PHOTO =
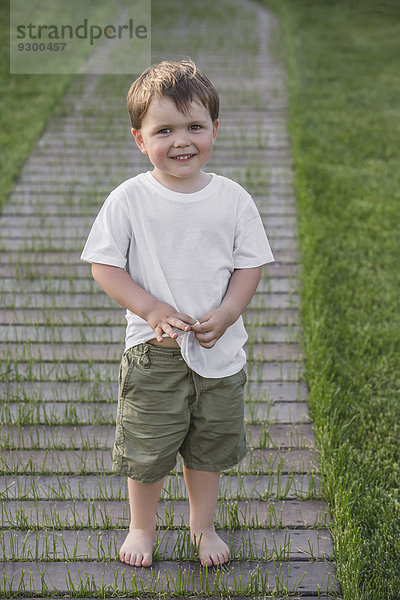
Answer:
(120, 286)
(242, 285)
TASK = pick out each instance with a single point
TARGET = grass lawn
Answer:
(26, 103)
(344, 76)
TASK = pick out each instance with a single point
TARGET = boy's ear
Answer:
(139, 140)
(215, 129)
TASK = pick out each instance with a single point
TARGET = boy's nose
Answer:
(181, 140)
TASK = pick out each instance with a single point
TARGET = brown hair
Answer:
(179, 80)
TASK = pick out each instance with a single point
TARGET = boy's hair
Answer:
(179, 80)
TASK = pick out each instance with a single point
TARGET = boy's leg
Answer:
(137, 549)
(202, 488)
(152, 421)
(216, 441)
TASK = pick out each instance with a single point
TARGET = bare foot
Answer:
(137, 549)
(212, 550)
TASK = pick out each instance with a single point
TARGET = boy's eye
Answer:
(195, 127)
(165, 130)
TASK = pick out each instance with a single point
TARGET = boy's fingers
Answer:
(209, 344)
(158, 334)
(201, 327)
(169, 330)
(180, 324)
(189, 320)
(207, 336)
(207, 317)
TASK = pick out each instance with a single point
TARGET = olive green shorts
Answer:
(164, 408)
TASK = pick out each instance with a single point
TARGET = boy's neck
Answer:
(183, 186)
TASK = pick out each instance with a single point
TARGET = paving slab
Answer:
(114, 315)
(92, 461)
(256, 391)
(267, 285)
(30, 370)
(170, 544)
(57, 208)
(73, 437)
(23, 413)
(61, 350)
(54, 299)
(55, 333)
(304, 514)
(235, 486)
(168, 576)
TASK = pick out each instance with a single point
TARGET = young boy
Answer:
(181, 249)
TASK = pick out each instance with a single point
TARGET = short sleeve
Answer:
(110, 236)
(251, 245)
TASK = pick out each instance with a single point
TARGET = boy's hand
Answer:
(163, 317)
(212, 326)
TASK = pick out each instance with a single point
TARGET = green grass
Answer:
(26, 103)
(344, 77)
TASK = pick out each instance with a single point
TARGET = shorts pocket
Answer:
(132, 364)
(238, 378)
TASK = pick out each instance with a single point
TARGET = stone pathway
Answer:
(64, 514)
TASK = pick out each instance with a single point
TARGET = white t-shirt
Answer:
(183, 249)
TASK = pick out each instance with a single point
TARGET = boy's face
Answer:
(178, 145)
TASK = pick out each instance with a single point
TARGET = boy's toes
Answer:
(139, 560)
(147, 560)
(212, 550)
(137, 549)
(207, 561)
(214, 559)
(136, 560)
(225, 558)
(218, 559)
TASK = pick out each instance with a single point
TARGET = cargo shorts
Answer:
(164, 407)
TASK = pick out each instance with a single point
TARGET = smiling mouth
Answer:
(183, 157)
